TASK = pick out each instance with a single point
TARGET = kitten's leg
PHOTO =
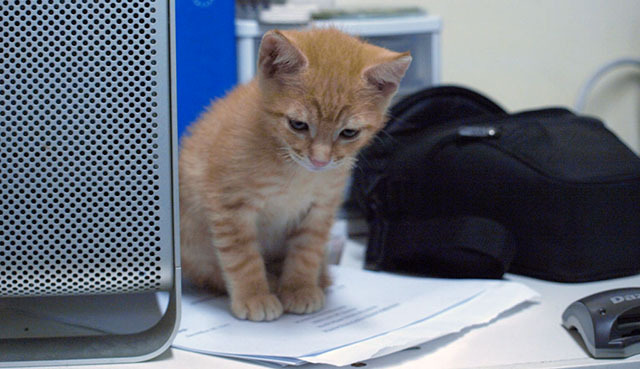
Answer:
(325, 279)
(243, 268)
(304, 275)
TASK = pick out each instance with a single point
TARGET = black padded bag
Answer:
(454, 186)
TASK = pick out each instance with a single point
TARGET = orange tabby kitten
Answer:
(264, 169)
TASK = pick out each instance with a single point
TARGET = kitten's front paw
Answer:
(302, 300)
(257, 307)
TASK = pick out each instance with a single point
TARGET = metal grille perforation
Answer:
(80, 202)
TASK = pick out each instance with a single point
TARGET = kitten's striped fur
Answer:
(257, 195)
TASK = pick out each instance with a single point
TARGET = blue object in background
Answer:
(206, 55)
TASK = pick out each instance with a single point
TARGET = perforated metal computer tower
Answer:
(89, 260)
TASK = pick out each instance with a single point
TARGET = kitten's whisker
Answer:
(286, 153)
(387, 135)
(350, 162)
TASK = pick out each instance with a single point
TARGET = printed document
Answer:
(366, 314)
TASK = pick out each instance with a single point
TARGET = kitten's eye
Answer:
(349, 133)
(297, 125)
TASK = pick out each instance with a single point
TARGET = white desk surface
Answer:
(530, 337)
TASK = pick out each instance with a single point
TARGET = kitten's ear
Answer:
(385, 77)
(278, 56)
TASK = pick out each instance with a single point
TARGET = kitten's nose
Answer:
(318, 163)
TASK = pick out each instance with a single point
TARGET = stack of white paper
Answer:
(366, 315)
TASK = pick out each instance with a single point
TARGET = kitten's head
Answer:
(325, 94)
